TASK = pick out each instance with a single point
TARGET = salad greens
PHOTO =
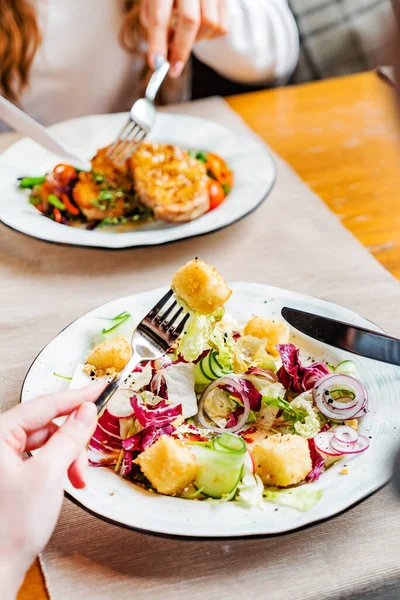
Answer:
(221, 418)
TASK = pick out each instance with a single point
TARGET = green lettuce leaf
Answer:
(310, 424)
(302, 498)
(197, 333)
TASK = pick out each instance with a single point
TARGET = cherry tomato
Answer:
(216, 192)
(64, 174)
(219, 169)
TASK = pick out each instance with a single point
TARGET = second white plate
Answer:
(252, 164)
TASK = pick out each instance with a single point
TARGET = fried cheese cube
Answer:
(282, 460)
(276, 332)
(168, 465)
(201, 287)
(109, 354)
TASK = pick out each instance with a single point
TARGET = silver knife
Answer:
(351, 338)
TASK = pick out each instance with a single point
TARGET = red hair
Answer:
(20, 39)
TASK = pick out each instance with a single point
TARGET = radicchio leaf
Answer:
(249, 390)
(140, 441)
(158, 416)
(318, 463)
(295, 376)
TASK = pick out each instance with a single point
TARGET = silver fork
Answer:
(141, 118)
(154, 335)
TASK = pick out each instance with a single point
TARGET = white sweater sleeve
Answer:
(262, 45)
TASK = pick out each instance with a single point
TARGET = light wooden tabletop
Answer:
(341, 137)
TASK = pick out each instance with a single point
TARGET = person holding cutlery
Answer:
(61, 59)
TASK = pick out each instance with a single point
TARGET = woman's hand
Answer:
(174, 26)
(31, 490)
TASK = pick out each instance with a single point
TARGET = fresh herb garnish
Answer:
(200, 156)
(30, 182)
(113, 221)
(289, 413)
(227, 188)
(117, 321)
(52, 199)
(62, 376)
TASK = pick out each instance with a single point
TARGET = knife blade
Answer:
(345, 336)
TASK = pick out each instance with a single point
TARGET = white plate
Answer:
(112, 498)
(250, 161)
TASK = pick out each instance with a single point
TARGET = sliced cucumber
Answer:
(208, 369)
(347, 367)
(227, 442)
(219, 472)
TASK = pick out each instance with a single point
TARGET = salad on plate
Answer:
(232, 412)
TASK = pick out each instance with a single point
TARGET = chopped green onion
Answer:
(35, 200)
(105, 195)
(343, 393)
(119, 461)
(202, 156)
(98, 177)
(227, 188)
(30, 182)
(62, 376)
(52, 198)
(194, 495)
(118, 320)
(192, 153)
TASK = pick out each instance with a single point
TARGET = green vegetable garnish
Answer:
(302, 498)
(30, 182)
(343, 393)
(118, 320)
(52, 198)
(34, 200)
(227, 188)
(289, 412)
(201, 156)
(62, 376)
(113, 221)
(105, 196)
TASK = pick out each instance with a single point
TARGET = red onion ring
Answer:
(322, 443)
(326, 443)
(334, 409)
(232, 381)
(346, 435)
(361, 444)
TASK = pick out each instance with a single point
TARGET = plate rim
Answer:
(206, 538)
(129, 245)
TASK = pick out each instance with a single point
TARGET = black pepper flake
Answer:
(275, 509)
(370, 437)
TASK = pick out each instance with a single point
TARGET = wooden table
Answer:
(341, 137)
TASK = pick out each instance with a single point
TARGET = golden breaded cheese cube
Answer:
(110, 353)
(282, 460)
(276, 332)
(168, 465)
(201, 287)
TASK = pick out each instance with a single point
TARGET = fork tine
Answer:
(119, 137)
(180, 327)
(174, 318)
(131, 144)
(157, 307)
(161, 318)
